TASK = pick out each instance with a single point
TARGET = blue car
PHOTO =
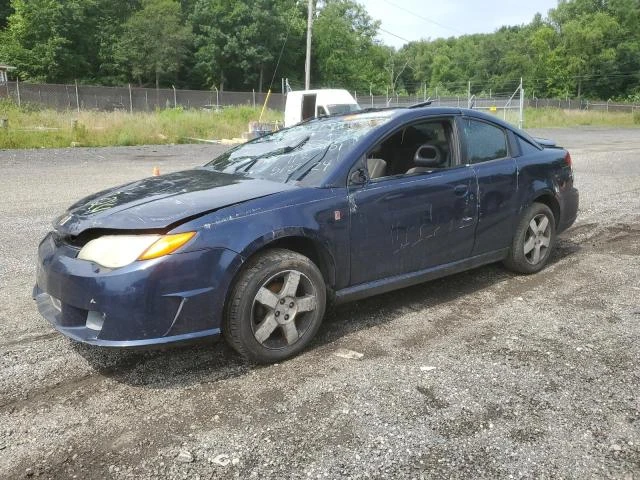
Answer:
(256, 243)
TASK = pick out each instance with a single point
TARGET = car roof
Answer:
(402, 114)
(427, 111)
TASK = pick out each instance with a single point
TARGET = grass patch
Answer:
(555, 117)
(30, 127)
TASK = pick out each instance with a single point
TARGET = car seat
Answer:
(377, 167)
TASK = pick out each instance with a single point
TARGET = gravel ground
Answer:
(484, 374)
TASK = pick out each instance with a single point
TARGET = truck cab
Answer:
(305, 104)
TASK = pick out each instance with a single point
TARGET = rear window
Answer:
(343, 108)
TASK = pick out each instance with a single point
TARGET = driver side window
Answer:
(422, 147)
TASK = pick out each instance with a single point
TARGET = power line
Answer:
(394, 35)
(423, 18)
(275, 71)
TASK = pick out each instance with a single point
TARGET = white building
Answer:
(4, 70)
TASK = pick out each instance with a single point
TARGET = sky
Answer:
(430, 19)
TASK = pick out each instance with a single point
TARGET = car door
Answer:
(487, 149)
(405, 223)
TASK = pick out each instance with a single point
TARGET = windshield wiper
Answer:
(273, 153)
(307, 166)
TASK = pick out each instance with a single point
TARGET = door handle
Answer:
(461, 190)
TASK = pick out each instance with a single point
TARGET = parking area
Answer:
(484, 374)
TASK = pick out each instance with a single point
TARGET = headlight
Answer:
(114, 251)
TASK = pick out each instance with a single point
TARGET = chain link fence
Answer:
(132, 99)
(487, 103)
(137, 99)
(510, 108)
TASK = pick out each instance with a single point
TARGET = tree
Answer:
(5, 11)
(585, 48)
(238, 43)
(59, 41)
(154, 41)
(344, 46)
(111, 18)
(599, 40)
(41, 39)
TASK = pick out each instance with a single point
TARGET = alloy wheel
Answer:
(537, 239)
(281, 309)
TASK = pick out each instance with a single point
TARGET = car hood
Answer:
(157, 203)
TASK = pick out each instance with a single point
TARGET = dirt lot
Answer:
(481, 375)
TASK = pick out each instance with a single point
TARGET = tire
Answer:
(531, 248)
(275, 307)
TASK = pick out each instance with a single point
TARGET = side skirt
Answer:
(384, 285)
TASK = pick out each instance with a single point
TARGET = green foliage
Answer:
(345, 50)
(154, 41)
(5, 11)
(583, 48)
(237, 44)
(62, 40)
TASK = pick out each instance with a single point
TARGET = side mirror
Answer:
(428, 156)
(358, 177)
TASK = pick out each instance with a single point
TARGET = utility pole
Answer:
(307, 65)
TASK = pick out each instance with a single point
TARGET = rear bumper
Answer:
(570, 200)
(170, 299)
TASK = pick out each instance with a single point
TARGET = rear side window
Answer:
(526, 148)
(484, 142)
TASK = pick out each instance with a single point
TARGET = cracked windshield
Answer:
(302, 154)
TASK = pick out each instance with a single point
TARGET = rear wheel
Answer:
(533, 241)
(276, 306)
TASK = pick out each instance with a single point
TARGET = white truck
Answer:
(304, 104)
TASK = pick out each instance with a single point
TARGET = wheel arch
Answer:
(548, 199)
(299, 241)
(311, 248)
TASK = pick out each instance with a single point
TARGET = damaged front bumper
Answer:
(173, 298)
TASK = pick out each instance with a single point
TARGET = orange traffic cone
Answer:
(156, 172)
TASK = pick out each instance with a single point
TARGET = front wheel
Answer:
(533, 241)
(275, 307)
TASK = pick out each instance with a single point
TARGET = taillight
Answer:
(567, 160)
